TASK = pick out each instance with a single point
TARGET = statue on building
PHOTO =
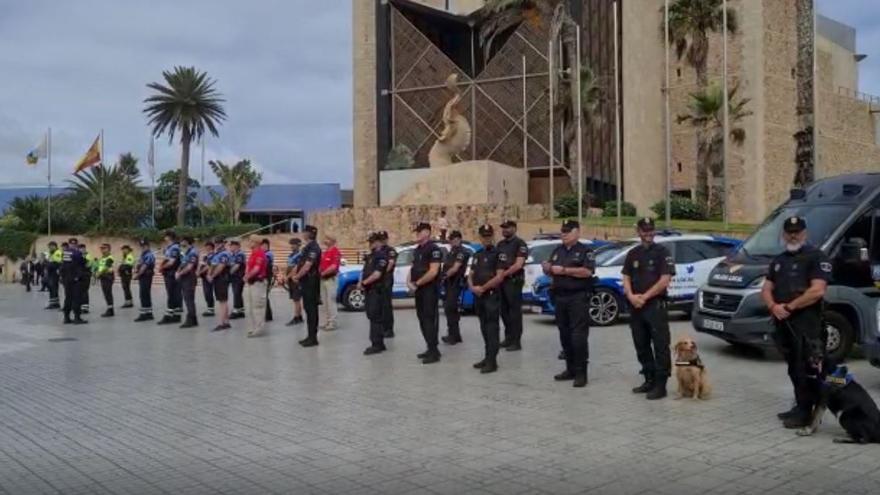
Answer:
(456, 135)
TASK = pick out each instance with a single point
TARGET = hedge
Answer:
(16, 244)
(680, 209)
(610, 209)
(198, 233)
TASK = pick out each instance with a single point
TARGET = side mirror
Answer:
(854, 251)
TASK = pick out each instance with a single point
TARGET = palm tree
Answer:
(187, 102)
(706, 114)
(239, 181)
(690, 22)
(125, 203)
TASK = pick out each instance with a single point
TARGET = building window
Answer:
(678, 72)
(682, 193)
(679, 166)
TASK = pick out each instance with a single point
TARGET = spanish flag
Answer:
(91, 158)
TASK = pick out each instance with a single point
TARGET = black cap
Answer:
(295, 240)
(569, 225)
(646, 224)
(144, 242)
(455, 234)
(220, 240)
(422, 226)
(126, 246)
(310, 228)
(794, 225)
(235, 242)
(383, 235)
(508, 224)
(374, 236)
(486, 230)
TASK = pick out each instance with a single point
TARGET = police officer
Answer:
(309, 278)
(373, 284)
(512, 254)
(270, 275)
(237, 261)
(647, 272)
(104, 274)
(86, 280)
(454, 267)
(146, 265)
(294, 291)
(73, 268)
(168, 269)
(126, 270)
(423, 280)
(55, 258)
(794, 292)
(186, 277)
(388, 279)
(571, 266)
(219, 278)
(484, 280)
(202, 273)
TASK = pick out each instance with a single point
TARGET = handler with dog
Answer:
(794, 291)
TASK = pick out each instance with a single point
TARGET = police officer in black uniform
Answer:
(309, 278)
(794, 292)
(484, 281)
(454, 267)
(571, 265)
(73, 269)
(512, 253)
(388, 280)
(207, 284)
(168, 269)
(647, 272)
(146, 265)
(186, 277)
(373, 284)
(424, 276)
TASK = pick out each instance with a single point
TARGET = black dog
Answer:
(850, 402)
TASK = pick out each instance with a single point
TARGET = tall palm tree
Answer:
(125, 203)
(189, 103)
(239, 181)
(706, 114)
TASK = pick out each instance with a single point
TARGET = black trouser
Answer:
(72, 298)
(51, 280)
(145, 284)
(188, 294)
(311, 297)
(488, 308)
(376, 314)
(85, 283)
(511, 308)
(388, 307)
(107, 289)
(208, 292)
(573, 321)
(237, 284)
(650, 333)
(426, 311)
(269, 315)
(125, 279)
(173, 296)
(451, 307)
(26, 280)
(800, 340)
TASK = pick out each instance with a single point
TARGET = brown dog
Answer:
(690, 370)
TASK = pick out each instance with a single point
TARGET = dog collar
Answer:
(693, 362)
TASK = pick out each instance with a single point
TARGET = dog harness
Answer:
(696, 362)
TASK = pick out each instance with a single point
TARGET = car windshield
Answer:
(822, 220)
(541, 252)
(610, 254)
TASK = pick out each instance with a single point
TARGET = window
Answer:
(541, 253)
(862, 234)
(405, 258)
(687, 252)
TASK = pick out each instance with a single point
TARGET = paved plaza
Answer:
(139, 408)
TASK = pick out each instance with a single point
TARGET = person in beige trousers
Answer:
(331, 259)
(255, 278)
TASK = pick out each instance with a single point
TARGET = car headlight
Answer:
(758, 282)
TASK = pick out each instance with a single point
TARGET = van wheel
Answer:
(841, 336)
(354, 299)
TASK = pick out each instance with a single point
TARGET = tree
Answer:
(189, 103)
(27, 213)
(706, 114)
(167, 204)
(125, 203)
(238, 181)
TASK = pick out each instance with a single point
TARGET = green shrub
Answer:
(566, 205)
(627, 209)
(681, 209)
(198, 233)
(16, 244)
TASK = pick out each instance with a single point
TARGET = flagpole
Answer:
(202, 186)
(49, 180)
(152, 158)
(103, 171)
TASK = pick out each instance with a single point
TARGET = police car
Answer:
(354, 299)
(695, 256)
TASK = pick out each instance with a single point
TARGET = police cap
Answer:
(486, 230)
(455, 234)
(646, 224)
(373, 237)
(144, 242)
(795, 224)
(422, 226)
(235, 242)
(383, 235)
(295, 241)
(508, 224)
(311, 228)
(220, 240)
(569, 225)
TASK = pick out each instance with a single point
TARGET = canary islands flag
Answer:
(39, 151)
(91, 158)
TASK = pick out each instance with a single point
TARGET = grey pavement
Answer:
(139, 408)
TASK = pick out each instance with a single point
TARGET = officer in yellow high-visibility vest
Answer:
(53, 274)
(126, 268)
(104, 273)
(86, 280)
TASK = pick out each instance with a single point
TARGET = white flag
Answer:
(41, 150)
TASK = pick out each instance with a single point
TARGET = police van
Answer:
(843, 220)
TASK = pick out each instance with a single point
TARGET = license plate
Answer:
(713, 325)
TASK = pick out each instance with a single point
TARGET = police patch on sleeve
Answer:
(825, 266)
(502, 257)
(381, 263)
(436, 254)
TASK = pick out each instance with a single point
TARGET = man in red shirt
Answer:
(331, 259)
(255, 278)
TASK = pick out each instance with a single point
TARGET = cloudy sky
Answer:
(80, 66)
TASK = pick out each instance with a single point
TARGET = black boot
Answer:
(389, 334)
(580, 379)
(491, 366)
(144, 317)
(67, 320)
(190, 323)
(128, 304)
(108, 313)
(564, 376)
(659, 390)
(645, 387)
(794, 411)
(77, 320)
(479, 365)
(167, 319)
(432, 357)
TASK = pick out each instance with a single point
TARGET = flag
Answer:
(151, 158)
(39, 151)
(91, 158)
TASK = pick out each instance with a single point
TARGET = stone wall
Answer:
(352, 225)
(366, 192)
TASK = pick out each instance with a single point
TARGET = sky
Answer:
(82, 66)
